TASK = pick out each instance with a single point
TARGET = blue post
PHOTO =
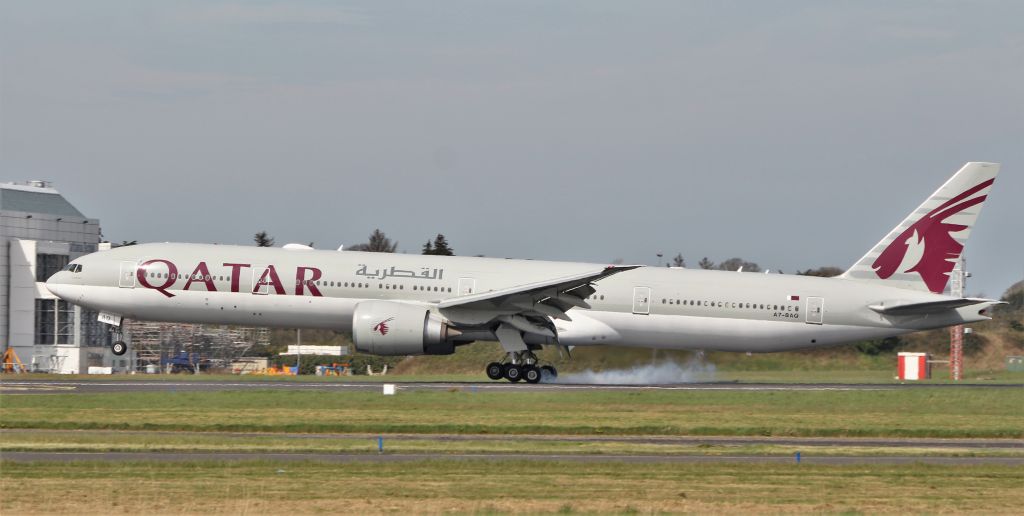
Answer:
(798, 457)
(380, 444)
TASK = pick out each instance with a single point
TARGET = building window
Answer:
(94, 333)
(55, 322)
(65, 323)
(45, 324)
(49, 264)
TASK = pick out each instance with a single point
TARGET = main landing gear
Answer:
(520, 366)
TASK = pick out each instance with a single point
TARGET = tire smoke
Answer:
(694, 370)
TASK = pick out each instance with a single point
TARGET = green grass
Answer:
(436, 486)
(896, 412)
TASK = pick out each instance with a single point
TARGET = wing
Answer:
(524, 306)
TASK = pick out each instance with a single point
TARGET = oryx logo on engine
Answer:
(382, 327)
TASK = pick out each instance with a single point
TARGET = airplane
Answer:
(399, 305)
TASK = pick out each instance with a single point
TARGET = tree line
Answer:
(737, 263)
(378, 242)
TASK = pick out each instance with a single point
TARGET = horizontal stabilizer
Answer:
(929, 307)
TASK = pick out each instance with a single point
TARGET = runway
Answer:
(163, 385)
(680, 440)
(411, 457)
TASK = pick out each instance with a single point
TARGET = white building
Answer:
(40, 232)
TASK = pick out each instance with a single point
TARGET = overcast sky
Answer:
(794, 134)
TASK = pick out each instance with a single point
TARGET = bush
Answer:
(879, 346)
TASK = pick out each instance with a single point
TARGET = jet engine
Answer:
(390, 328)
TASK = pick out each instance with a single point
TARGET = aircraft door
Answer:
(127, 277)
(642, 300)
(815, 310)
(466, 286)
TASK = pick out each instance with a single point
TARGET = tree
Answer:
(262, 239)
(379, 243)
(127, 243)
(1014, 296)
(440, 247)
(428, 248)
(824, 272)
(678, 261)
(735, 264)
(704, 263)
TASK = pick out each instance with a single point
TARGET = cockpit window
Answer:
(73, 267)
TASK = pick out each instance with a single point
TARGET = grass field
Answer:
(481, 487)
(503, 422)
(896, 413)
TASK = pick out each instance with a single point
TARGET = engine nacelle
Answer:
(389, 328)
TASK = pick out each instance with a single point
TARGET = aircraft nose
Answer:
(56, 286)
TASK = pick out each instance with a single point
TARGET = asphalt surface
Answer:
(410, 457)
(807, 442)
(145, 385)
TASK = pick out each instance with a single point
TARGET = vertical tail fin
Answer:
(921, 251)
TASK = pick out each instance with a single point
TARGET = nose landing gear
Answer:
(519, 366)
(118, 347)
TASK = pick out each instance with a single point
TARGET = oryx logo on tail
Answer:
(931, 240)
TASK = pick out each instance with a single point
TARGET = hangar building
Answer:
(40, 232)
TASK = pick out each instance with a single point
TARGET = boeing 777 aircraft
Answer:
(396, 304)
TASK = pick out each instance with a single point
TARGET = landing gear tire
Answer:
(550, 370)
(119, 348)
(495, 371)
(531, 374)
(513, 373)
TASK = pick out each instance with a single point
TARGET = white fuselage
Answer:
(648, 307)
